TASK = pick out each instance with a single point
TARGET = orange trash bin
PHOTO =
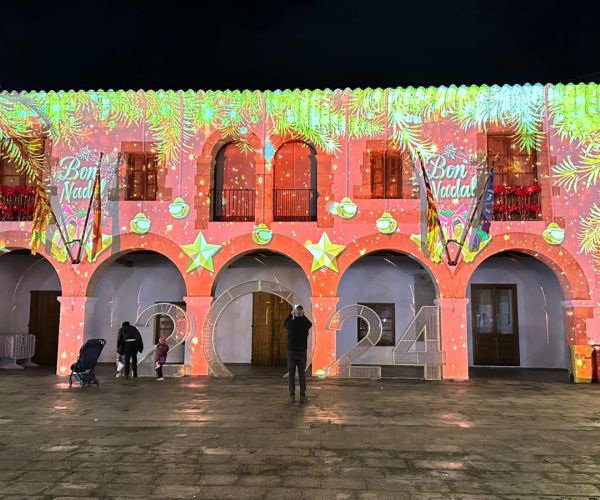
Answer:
(581, 363)
(596, 363)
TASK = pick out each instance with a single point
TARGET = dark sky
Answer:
(295, 43)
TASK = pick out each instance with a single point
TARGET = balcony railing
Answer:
(234, 205)
(16, 203)
(516, 203)
(295, 205)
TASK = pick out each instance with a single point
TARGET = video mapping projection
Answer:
(322, 176)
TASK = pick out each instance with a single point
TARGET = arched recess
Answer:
(29, 290)
(295, 182)
(233, 186)
(569, 272)
(124, 285)
(392, 283)
(515, 316)
(252, 333)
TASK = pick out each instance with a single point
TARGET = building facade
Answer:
(318, 192)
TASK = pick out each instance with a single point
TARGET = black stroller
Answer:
(83, 370)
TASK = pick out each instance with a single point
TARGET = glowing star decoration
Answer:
(324, 253)
(140, 224)
(553, 234)
(262, 235)
(179, 209)
(201, 254)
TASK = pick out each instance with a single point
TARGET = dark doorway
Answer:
(269, 338)
(44, 317)
(495, 325)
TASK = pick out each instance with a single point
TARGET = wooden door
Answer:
(495, 325)
(269, 337)
(44, 317)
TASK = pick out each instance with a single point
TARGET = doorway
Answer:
(495, 325)
(44, 318)
(269, 338)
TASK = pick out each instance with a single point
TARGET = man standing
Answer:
(297, 326)
(129, 343)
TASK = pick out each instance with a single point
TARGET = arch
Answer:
(19, 240)
(566, 268)
(243, 245)
(217, 139)
(398, 242)
(295, 181)
(130, 242)
(215, 364)
(233, 183)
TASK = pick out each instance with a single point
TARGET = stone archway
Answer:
(215, 364)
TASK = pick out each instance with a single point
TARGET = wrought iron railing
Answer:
(295, 205)
(16, 203)
(234, 205)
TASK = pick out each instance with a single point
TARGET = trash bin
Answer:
(596, 364)
(581, 363)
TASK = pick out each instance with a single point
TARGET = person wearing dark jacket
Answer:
(297, 326)
(129, 343)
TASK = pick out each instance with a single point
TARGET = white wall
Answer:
(123, 292)
(19, 275)
(529, 275)
(384, 280)
(234, 329)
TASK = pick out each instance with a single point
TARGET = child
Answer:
(120, 364)
(161, 356)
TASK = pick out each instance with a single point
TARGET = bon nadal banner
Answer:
(457, 178)
(72, 180)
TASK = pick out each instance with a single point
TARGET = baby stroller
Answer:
(83, 370)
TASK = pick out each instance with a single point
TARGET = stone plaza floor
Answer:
(240, 438)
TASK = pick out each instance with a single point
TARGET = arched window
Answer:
(234, 184)
(295, 183)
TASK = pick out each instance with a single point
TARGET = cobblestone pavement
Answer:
(209, 438)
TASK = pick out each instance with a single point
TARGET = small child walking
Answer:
(161, 356)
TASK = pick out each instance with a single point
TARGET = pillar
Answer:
(324, 189)
(202, 181)
(264, 191)
(73, 311)
(325, 345)
(579, 317)
(455, 341)
(198, 307)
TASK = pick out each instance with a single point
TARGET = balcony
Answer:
(234, 205)
(295, 205)
(517, 203)
(16, 203)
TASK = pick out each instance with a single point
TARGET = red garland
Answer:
(16, 202)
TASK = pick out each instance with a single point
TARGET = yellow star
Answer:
(201, 253)
(324, 253)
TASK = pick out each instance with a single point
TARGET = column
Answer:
(455, 341)
(73, 313)
(580, 323)
(325, 345)
(264, 191)
(198, 307)
(202, 181)
(324, 189)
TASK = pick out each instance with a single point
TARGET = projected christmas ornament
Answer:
(262, 235)
(140, 224)
(179, 209)
(346, 208)
(201, 253)
(386, 224)
(553, 234)
(324, 253)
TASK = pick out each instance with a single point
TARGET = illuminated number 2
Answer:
(420, 344)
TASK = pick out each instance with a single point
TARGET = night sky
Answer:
(295, 43)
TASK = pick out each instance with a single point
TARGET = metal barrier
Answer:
(14, 347)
